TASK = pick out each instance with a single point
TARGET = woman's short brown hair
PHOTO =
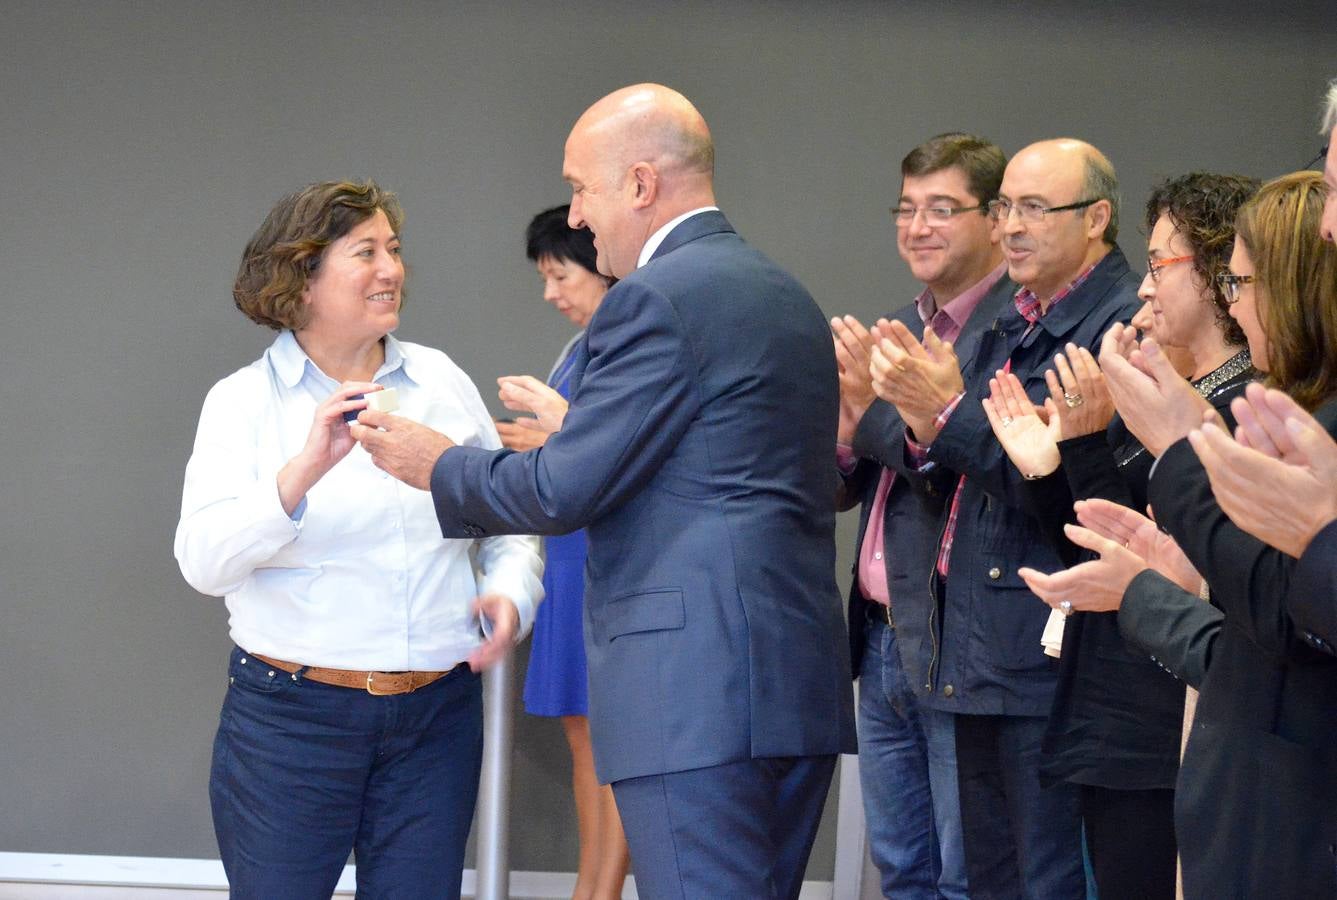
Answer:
(1297, 271)
(289, 244)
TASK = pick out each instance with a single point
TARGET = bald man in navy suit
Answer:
(697, 451)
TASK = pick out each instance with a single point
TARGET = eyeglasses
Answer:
(1317, 161)
(1154, 266)
(933, 215)
(1032, 210)
(1230, 283)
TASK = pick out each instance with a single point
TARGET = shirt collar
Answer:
(959, 308)
(291, 363)
(1028, 304)
(658, 237)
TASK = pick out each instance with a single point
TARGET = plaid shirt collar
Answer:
(1029, 305)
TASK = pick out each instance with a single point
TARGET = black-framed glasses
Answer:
(933, 215)
(1317, 161)
(1229, 283)
(1032, 210)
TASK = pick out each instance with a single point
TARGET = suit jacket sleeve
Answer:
(881, 437)
(851, 488)
(635, 400)
(1178, 629)
(1248, 579)
(1312, 599)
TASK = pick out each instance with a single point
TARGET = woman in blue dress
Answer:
(555, 684)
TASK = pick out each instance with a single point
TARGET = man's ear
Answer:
(645, 180)
(1100, 217)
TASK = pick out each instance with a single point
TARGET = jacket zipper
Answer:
(934, 643)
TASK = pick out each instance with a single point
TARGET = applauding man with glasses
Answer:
(907, 752)
(1057, 211)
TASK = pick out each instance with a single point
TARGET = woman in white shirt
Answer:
(353, 718)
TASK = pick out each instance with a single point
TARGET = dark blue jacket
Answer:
(984, 654)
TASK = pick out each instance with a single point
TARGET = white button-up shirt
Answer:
(359, 576)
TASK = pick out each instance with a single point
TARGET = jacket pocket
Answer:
(660, 610)
(1014, 619)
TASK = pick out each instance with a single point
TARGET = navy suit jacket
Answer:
(697, 451)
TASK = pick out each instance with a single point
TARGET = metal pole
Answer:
(494, 789)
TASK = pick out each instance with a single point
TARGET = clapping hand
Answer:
(919, 379)
(1279, 482)
(1029, 438)
(1080, 397)
(1128, 544)
(525, 393)
(1142, 537)
(854, 345)
(1156, 403)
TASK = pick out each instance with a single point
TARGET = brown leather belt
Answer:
(380, 684)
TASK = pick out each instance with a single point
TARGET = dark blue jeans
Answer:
(907, 772)
(303, 773)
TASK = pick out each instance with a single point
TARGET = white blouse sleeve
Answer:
(232, 520)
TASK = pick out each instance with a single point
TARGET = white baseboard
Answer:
(39, 876)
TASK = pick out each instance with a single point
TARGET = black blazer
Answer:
(1117, 715)
(1256, 800)
(1312, 600)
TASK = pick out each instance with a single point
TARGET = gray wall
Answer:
(141, 143)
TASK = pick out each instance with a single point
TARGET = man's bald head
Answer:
(653, 123)
(1074, 157)
(635, 160)
(1076, 182)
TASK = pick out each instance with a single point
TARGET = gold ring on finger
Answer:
(1073, 400)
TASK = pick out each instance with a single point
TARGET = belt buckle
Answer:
(371, 688)
(886, 615)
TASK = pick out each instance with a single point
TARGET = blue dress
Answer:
(555, 684)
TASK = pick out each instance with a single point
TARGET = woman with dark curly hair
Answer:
(353, 715)
(1115, 726)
